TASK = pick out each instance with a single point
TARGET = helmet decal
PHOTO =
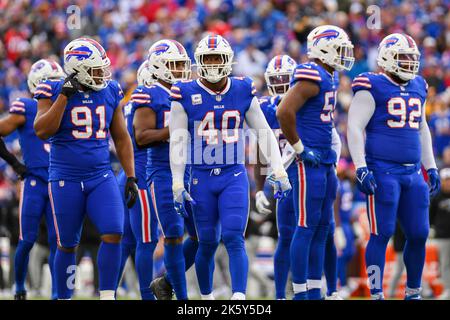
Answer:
(390, 42)
(37, 66)
(327, 34)
(79, 53)
(278, 62)
(159, 49)
(212, 42)
(97, 45)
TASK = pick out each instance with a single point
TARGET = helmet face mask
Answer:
(344, 58)
(214, 58)
(169, 62)
(398, 54)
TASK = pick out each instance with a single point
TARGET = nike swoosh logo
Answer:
(139, 90)
(105, 175)
(237, 174)
(306, 66)
(311, 153)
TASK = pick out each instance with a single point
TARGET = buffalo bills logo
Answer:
(79, 53)
(390, 42)
(327, 34)
(159, 49)
(38, 66)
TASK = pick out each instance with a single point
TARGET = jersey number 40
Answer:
(207, 127)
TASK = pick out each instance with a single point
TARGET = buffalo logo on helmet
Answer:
(390, 42)
(159, 49)
(327, 34)
(79, 53)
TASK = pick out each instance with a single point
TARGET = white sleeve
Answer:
(359, 114)
(179, 138)
(266, 139)
(427, 156)
(336, 144)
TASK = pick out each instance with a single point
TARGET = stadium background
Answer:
(257, 31)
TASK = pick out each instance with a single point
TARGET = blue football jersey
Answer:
(140, 155)
(392, 134)
(34, 150)
(155, 97)
(315, 117)
(80, 147)
(215, 120)
(269, 109)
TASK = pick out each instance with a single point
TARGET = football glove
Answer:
(20, 170)
(366, 181)
(262, 203)
(131, 191)
(180, 196)
(70, 86)
(434, 180)
(310, 156)
(281, 185)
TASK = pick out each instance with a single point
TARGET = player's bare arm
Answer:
(144, 124)
(122, 143)
(10, 123)
(294, 99)
(49, 115)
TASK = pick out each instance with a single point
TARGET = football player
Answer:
(140, 234)
(34, 201)
(278, 76)
(207, 116)
(79, 114)
(390, 108)
(306, 119)
(168, 62)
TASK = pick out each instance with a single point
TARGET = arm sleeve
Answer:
(179, 138)
(6, 155)
(427, 156)
(266, 139)
(359, 114)
(336, 144)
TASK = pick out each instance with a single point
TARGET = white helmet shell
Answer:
(144, 76)
(332, 46)
(163, 59)
(399, 55)
(42, 70)
(88, 59)
(214, 45)
(279, 73)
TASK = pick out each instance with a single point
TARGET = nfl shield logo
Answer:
(33, 183)
(218, 98)
(196, 99)
(217, 171)
(194, 181)
(61, 183)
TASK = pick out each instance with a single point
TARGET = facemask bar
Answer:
(344, 59)
(182, 74)
(278, 83)
(406, 68)
(98, 82)
(214, 72)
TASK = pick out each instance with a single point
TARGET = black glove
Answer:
(20, 170)
(70, 86)
(131, 191)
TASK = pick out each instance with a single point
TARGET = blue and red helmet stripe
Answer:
(180, 48)
(212, 42)
(278, 62)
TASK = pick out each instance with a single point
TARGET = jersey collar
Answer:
(214, 93)
(162, 87)
(393, 82)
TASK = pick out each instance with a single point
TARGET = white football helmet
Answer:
(164, 57)
(42, 70)
(399, 55)
(214, 45)
(332, 46)
(278, 74)
(144, 76)
(88, 59)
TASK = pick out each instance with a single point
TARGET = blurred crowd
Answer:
(256, 29)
